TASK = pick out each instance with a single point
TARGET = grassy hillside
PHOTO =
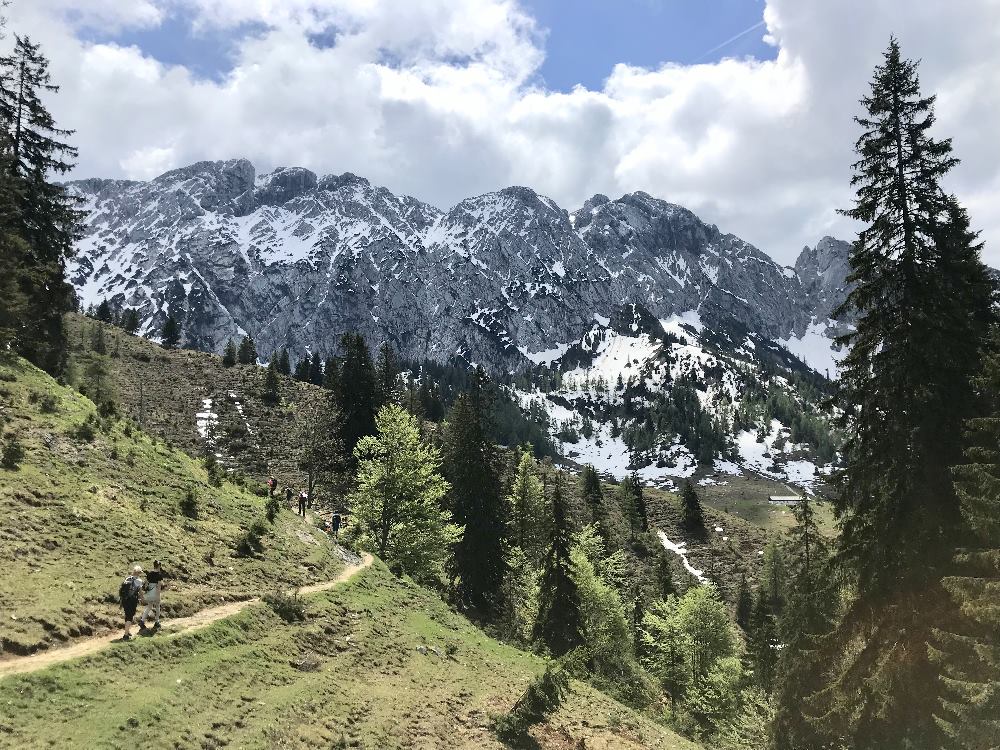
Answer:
(164, 391)
(378, 663)
(92, 496)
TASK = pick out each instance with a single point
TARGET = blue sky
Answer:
(584, 39)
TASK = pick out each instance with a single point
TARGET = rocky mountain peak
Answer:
(505, 278)
(282, 185)
(224, 187)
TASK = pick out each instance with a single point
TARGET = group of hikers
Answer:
(306, 499)
(136, 590)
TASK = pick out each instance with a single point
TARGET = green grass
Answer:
(379, 663)
(77, 513)
(163, 390)
(746, 498)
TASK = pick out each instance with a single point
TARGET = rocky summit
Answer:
(506, 280)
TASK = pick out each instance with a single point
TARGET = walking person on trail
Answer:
(288, 495)
(154, 585)
(335, 525)
(128, 596)
(303, 499)
(272, 485)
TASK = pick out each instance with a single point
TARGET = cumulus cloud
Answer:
(439, 99)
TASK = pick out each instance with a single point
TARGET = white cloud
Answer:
(437, 98)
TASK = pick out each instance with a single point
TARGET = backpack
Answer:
(128, 592)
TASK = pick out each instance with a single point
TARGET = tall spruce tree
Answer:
(40, 220)
(229, 354)
(968, 653)
(271, 387)
(302, 370)
(593, 497)
(320, 450)
(284, 364)
(316, 369)
(387, 375)
(473, 468)
(559, 624)
(170, 335)
(528, 510)
(103, 312)
(355, 390)
(692, 515)
(744, 605)
(246, 354)
(922, 299)
(808, 615)
(130, 320)
(633, 504)
(331, 373)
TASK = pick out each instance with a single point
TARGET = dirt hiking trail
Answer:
(43, 659)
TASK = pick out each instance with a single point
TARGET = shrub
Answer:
(189, 505)
(543, 697)
(251, 541)
(7, 377)
(13, 453)
(272, 507)
(213, 469)
(289, 607)
(86, 431)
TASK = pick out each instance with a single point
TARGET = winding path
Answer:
(43, 659)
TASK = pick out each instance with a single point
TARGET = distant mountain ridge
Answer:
(507, 279)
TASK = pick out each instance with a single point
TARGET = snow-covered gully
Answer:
(681, 551)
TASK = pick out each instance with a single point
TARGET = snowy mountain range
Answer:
(508, 279)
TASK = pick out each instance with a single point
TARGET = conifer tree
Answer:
(762, 643)
(103, 313)
(968, 656)
(473, 468)
(229, 354)
(316, 369)
(247, 352)
(40, 218)
(692, 515)
(593, 497)
(528, 510)
(922, 300)
(559, 624)
(321, 452)
(284, 365)
(130, 321)
(665, 576)
(270, 390)
(633, 504)
(170, 336)
(331, 373)
(302, 370)
(744, 605)
(808, 615)
(387, 375)
(98, 342)
(355, 391)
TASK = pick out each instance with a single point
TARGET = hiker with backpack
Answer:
(288, 495)
(303, 499)
(128, 596)
(154, 584)
(272, 486)
(335, 525)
